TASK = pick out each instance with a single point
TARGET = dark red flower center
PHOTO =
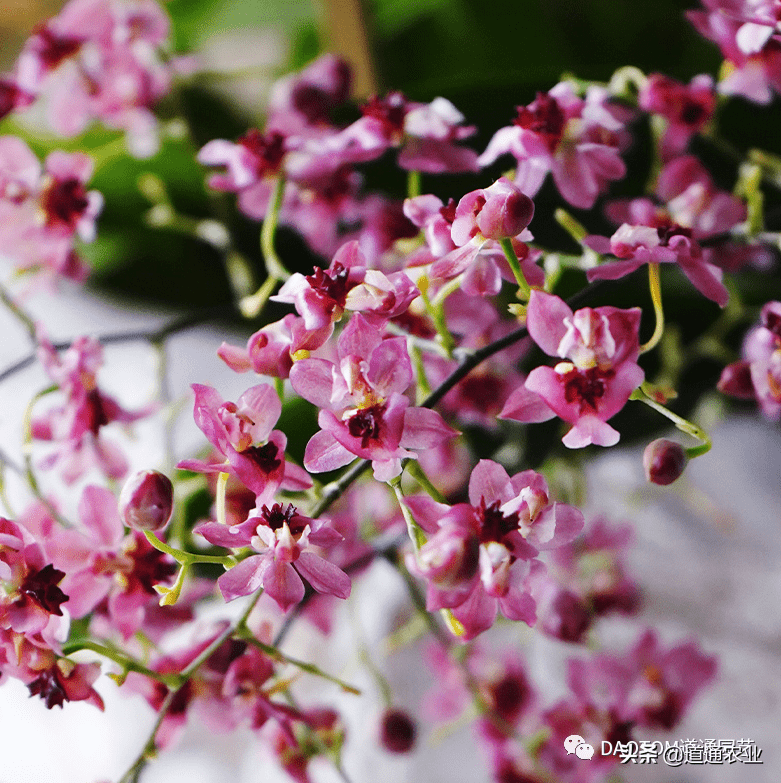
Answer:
(64, 202)
(53, 49)
(41, 587)
(545, 117)
(95, 415)
(278, 515)
(265, 457)
(314, 102)
(9, 96)
(586, 386)
(693, 113)
(509, 696)
(332, 284)
(668, 231)
(49, 688)
(390, 111)
(448, 212)
(150, 567)
(366, 424)
(338, 185)
(771, 320)
(267, 150)
(494, 524)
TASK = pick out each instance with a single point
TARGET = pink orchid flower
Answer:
(600, 348)
(577, 139)
(363, 411)
(285, 539)
(242, 432)
(481, 554)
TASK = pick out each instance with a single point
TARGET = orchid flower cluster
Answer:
(429, 345)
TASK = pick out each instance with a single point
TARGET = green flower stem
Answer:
(573, 227)
(416, 471)
(150, 748)
(445, 291)
(656, 297)
(251, 306)
(524, 291)
(437, 313)
(27, 449)
(413, 184)
(414, 530)
(13, 307)
(643, 393)
(127, 663)
(274, 266)
(423, 387)
(187, 558)
(310, 668)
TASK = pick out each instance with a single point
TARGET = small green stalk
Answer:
(524, 291)
(413, 184)
(414, 530)
(656, 297)
(274, 266)
(643, 393)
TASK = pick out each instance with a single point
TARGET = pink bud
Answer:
(146, 500)
(664, 461)
(397, 731)
(506, 212)
(736, 381)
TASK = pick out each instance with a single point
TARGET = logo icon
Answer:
(577, 745)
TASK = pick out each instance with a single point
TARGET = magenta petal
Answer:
(200, 466)
(555, 526)
(85, 591)
(590, 429)
(296, 479)
(265, 406)
(526, 406)
(283, 584)
(517, 603)
(324, 453)
(598, 244)
(244, 578)
(424, 428)
(236, 358)
(98, 511)
(545, 320)
(426, 511)
(324, 577)
(613, 270)
(489, 481)
(207, 401)
(455, 262)
(386, 469)
(477, 613)
(313, 379)
(482, 278)
(359, 338)
(230, 537)
(390, 369)
(706, 278)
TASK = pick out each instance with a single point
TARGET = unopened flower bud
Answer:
(664, 461)
(146, 500)
(736, 381)
(397, 731)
